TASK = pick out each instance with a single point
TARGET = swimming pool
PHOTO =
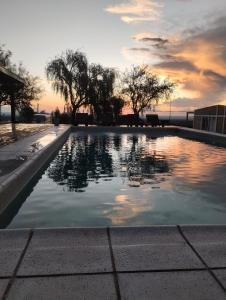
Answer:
(112, 179)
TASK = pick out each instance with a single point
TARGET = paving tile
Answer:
(145, 235)
(221, 275)
(210, 243)
(12, 243)
(151, 248)
(190, 285)
(67, 251)
(3, 284)
(70, 237)
(89, 287)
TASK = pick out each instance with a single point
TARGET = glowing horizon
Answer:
(180, 39)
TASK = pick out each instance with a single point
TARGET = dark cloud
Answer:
(140, 49)
(177, 65)
(188, 104)
(156, 42)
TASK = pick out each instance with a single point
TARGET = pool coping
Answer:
(190, 133)
(15, 182)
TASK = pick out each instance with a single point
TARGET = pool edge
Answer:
(15, 183)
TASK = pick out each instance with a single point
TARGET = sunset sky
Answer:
(182, 39)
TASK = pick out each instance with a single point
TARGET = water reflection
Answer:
(86, 159)
(81, 160)
(104, 180)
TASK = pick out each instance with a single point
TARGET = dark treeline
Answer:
(85, 85)
(24, 97)
(94, 87)
(99, 90)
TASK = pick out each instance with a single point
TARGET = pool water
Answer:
(122, 179)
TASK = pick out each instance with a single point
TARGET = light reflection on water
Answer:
(100, 180)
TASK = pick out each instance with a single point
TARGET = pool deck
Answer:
(156, 262)
(22, 160)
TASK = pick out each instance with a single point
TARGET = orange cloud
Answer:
(197, 62)
(135, 11)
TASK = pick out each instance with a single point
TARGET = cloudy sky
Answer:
(182, 39)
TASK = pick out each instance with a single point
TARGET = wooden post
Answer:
(13, 116)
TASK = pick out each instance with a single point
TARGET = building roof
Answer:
(211, 110)
(9, 78)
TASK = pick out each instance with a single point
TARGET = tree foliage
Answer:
(27, 114)
(82, 84)
(101, 89)
(143, 89)
(69, 76)
(31, 90)
(117, 104)
(5, 57)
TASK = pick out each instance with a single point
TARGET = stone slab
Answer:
(210, 242)
(152, 248)
(67, 251)
(221, 275)
(12, 243)
(145, 235)
(71, 237)
(91, 287)
(3, 285)
(190, 285)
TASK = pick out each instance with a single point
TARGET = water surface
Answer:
(111, 179)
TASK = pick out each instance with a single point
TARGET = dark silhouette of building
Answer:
(9, 83)
(212, 118)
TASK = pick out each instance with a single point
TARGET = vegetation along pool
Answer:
(122, 179)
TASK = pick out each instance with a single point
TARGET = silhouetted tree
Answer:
(143, 89)
(69, 76)
(24, 96)
(31, 91)
(101, 88)
(117, 105)
(5, 57)
(27, 114)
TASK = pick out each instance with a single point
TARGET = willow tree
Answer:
(143, 89)
(101, 89)
(69, 76)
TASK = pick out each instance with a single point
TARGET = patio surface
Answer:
(157, 262)
(26, 147)
(22, 130)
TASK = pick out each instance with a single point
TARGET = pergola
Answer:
(10, 83)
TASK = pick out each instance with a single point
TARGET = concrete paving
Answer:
(15, 154)
(158, 262)
(22, 160)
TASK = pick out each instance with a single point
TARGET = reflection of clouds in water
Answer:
(121, 198)
(196, 162)
(126, 208)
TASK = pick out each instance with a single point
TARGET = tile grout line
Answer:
(113, 265)
(108, 273)
(17, 266)
(200, 258)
